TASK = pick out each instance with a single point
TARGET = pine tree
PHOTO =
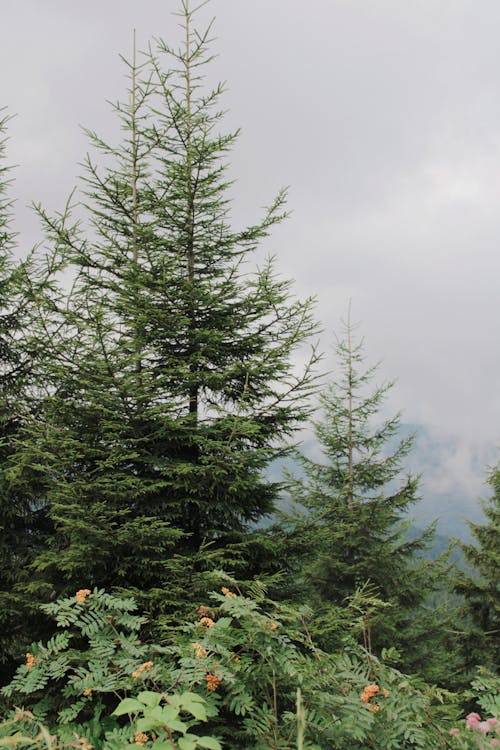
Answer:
(20, 520)
(11, 521)
(480, 585)
(170, 363)
(356, 523)
(14, 509)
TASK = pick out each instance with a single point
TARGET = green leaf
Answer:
(167, 714)
(162, 745)
(154, 713)
(178, 726)
(210, 742)
(128, 706)
(149, 698)
(195, 708)
(188, 742)
(146, 723)
(194, 697)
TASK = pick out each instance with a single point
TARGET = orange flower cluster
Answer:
(371, 690)
(368, 692)
(30, 661)
(207, 622)
(140, 738)
(228, 593)
(88, 691)
(81, 595)
(212, 681)
(143, 668)
(199, 651)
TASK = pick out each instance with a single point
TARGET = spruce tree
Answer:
(21, 522)
(356, 524)
(480, 584)
(11, 521)
(170, 363)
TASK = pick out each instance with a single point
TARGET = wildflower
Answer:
(81, 595)
(143, 668)
(212, 681)
(386, 693)
(454, 731)
(483, 727)
(272, 625)
(30, 661)
(495, 743)
(207, 622)
(368, 692)
(88, 691)
(199, 651)
(374, 708)
(492, 722)
(140, 738)
(472, 720)
(228, 593)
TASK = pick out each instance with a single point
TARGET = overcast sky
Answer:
(383, 117)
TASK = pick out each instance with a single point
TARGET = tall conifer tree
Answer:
(173, 383)
(21, 522)
(481, 586)
(12, 538)
(356, 522)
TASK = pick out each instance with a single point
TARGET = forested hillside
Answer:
(154, 589)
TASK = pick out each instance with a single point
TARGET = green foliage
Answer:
(352, 525)
(474, 732)
(481, 586)
(169, 365)
(22, 522)
(486, 690)
(247, 669)
(12, 535)
(166, 721)
(78, 672)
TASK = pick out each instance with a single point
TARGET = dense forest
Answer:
(159, 585)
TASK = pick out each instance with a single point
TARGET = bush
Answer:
(245, 668)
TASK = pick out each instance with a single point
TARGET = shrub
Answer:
(246, 668)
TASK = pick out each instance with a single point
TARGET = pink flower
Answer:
(495, 743)
(472, 720)
(493, 722)
(454, 731)
(483, 727)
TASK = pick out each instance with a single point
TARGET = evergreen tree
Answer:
(20, 520)
(170, 374)
(11, 521)
(356, 522)
(481, 584)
